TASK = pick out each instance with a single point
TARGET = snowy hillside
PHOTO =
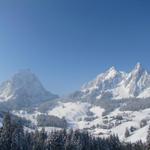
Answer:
(88, 117)
(119, 85)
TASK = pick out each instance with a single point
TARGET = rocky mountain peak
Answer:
(24, 85)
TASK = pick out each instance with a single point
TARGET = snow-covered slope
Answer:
(24, 85)
(85, 116)
(88, 117)
(119, 85)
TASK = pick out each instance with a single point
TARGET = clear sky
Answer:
(69, 42)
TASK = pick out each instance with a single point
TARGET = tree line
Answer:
(14, 137)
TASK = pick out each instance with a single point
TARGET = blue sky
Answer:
(69, 42)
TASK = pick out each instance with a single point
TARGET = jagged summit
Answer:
(112, 69)
(135, 84)
(138, 68)
(110, 73)
(24, 85)
(138, 65)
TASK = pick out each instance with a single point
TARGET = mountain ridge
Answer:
(119, 84)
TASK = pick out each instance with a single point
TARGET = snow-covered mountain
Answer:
(118, 84)
(24, 86)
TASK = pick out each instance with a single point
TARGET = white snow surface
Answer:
(73, 112)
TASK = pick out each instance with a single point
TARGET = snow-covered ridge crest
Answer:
(118, 84)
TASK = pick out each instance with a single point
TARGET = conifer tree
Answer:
(18, 139)
(127, 133)
(6, 133)
(148, 139)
